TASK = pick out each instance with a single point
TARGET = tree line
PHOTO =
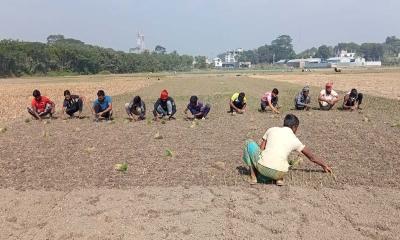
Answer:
(282, 49)
(65, 55)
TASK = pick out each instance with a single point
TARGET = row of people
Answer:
(327, 99)
(165, 105)
(102, 108)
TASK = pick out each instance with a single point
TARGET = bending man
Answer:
(270, 158)
(164, 106)
(72, 104)
(41, 106)
(352, 100)
(102, 106)
(197, 109)
(136, 109)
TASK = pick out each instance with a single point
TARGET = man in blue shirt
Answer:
(102, 106)
(303, 100)
(197, 108)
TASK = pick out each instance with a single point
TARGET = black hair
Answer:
(353, 92)
(101, 93)
(291, 121)
(193, 99)
(241, 96)
(276, 91)
(36, 93)
(67, 92)
(137, 100)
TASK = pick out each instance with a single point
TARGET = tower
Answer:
(140, 44)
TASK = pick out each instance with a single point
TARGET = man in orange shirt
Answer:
(41, 106)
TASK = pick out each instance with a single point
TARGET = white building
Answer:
(302, 62)
(347, 58)
(231, 56)
(217, 62)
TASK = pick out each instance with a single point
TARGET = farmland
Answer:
(57, 177)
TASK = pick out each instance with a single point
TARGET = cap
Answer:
(306, 89)
(164, 94)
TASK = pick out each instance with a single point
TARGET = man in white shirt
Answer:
(328, 97)
(270, 158)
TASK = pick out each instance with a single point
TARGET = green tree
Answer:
(248, 56)
(324, 52)
(160, 49)
(54, 38)
(372, 51)
(265, 54)
(200, 62)
(282, 48)
(307, 53)
(350, 47)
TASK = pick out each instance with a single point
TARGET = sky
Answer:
(201, 27)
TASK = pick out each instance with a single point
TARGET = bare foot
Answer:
(280, 182)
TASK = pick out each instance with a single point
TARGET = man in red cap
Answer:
(328, 97)
(165, 106)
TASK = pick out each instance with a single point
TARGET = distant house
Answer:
(231, 56)
(229, 65)
(231, 60)
(346, 59)
(281, 62)
(245, 64)
(301, 63)
(217, 62)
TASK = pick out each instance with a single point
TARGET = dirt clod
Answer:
(3, 129)
(219, 165)
(123, 167)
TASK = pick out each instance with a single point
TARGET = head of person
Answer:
(241, 96)
(275, 92)
(353, 93)
(36, 94)
(193, 100)
(101, 95)
(328, 87)
(291, 121)
(67, 94)
(306, 91)
(164, 95)
(137, 100)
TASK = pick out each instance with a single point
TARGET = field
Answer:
(57, 178)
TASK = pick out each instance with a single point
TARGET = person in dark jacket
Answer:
(352, 100)
(197, 109)
(136, 109)
(302, 100)
(72, 104)
(164, 106)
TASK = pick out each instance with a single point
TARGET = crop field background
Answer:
(57, 177)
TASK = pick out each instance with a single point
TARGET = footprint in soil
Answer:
(153, 213)
(12, 219)
(93, 200)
